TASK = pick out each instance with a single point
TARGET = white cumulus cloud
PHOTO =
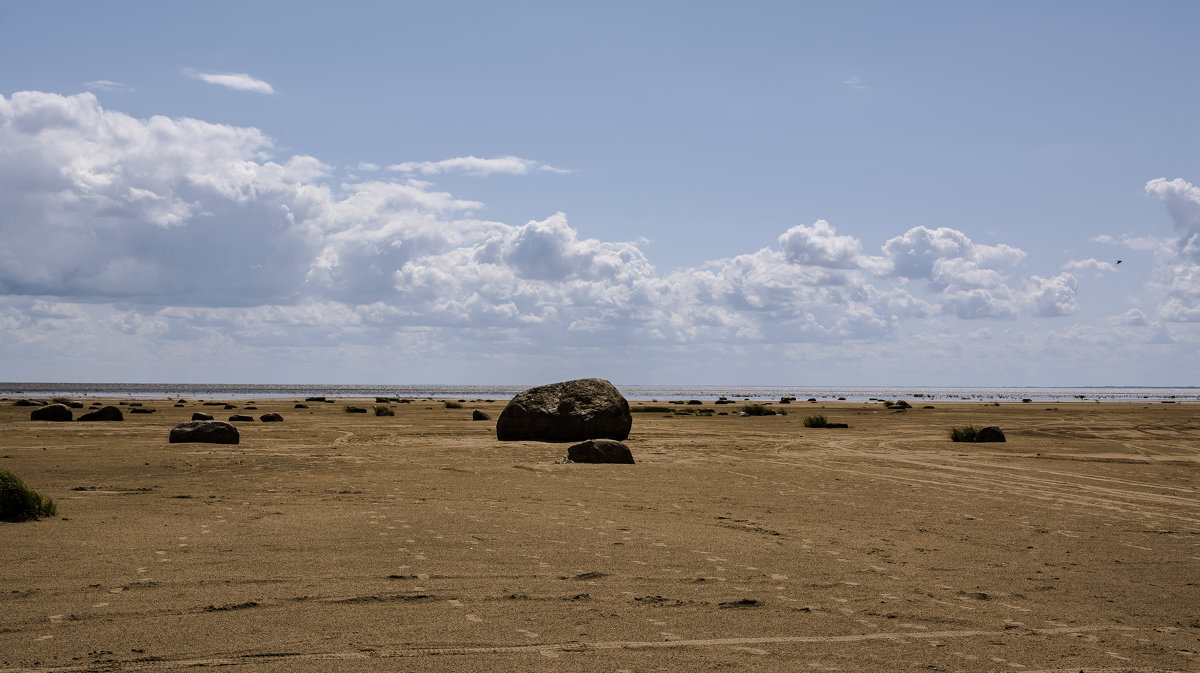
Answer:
(238, 81)
(475, 166)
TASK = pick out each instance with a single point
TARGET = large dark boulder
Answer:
(478, 415)
(271, 418)
(600, 451)
(108, 413)
(212, 432)
(990, 434)
(569, 411)
(52, 412)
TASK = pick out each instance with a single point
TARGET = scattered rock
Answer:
(141, 410)
(381, 400)
(75, 405)
(212, 432)
(355, 410)
(108, 413)
(29, 403)
(241, 418)
(201, 416)
(52, 412)
(271, 418)
(566, 411)
(314, 399)
(990, 434)
(478, 415)
(837, 425)
(301, 406)
(600, 451)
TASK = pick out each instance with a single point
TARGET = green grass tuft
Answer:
(757, 410)
(60, 399)
(818, 421)
(381, 410)
(453, 405)
(18, 502)
(964, 434)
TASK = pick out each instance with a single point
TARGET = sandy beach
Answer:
(417, 542)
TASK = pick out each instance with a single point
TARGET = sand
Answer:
(350, 542)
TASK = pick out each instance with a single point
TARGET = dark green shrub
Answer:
(452, 405)
(18, 502)
(757, 410)
(381, 410)
(818, 421)
(964, 434)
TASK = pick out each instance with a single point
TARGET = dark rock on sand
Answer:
(600, 451)
(211, 432)
(836, 425)
(990, 434)
(271, 418)
(301, 406)
(314, 399)
(109, 413)
(241, 418)
(75, 405)
(201, 416)
(29, 403)
(53, 412)
(355, 410)
(478, 415)
(141, 410)
(565, 412)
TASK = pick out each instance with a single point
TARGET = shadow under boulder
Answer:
(211, 432)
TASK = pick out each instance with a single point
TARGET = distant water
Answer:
(633, 392)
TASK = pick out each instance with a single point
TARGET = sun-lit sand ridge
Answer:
(336, 541)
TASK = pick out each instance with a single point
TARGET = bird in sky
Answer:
(1118, 261)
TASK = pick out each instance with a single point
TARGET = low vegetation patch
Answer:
(60, 399)
(964, 434)
(452, 405)
(381, 410)
(757, 410)
(18, 502)
(818, 421)
(651, 409)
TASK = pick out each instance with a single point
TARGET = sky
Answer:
(656, 193)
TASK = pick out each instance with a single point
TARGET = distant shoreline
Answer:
(633, 392)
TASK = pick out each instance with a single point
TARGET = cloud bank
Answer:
(176, 230)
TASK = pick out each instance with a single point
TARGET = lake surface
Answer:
(633, 392)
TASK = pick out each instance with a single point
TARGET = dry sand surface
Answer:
(417, 542)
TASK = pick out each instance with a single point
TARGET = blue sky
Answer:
(674, 192)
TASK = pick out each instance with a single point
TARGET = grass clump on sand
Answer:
(381, 410)
(651, 409)
(452, 405)
(818, 421)
(757, 410)
(60, 399)
(18, 502)
(964, 434)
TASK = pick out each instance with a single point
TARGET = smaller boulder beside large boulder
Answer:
(211, 432)
(108, 413)
(990, 434)
(51, 412)
(271, 418)
(600, 451)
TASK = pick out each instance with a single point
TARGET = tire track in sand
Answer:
(552, 649)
